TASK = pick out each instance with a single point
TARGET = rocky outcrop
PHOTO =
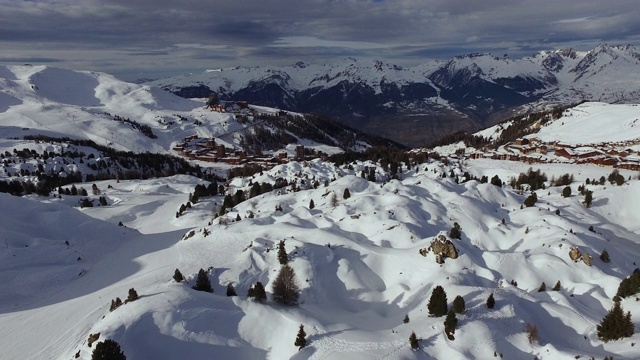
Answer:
(575, 254)
(443, 248)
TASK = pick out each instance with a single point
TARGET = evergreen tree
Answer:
(301, 341)
(285, 288)
(406, 319)
(588, 198)
(231, 291)
(495, 180)
(531, 200)
(413, 341)
(556, 287)
(630, 285)
(615, 325)
(543, 287)
(115, 304)
(311, 204)
(605, 256)
(566, 192)
(450, 323)
(108, 350)
(346, 194)
(491, 301)
(133, 295)
(177, 276)
(334, 200)
(459, 306)
(202, 282)
(257, 292)
(438, 302)
(282, 254)
(238, 218)
(456, 231)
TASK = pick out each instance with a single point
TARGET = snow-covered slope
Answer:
(357, 262)
(592, 123)
(41, 100)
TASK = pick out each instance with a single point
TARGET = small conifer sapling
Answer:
(301, 341)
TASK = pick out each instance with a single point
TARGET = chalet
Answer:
(564, 152)
(629, 166)
(589, 154)
(542, 149)
(603, 161)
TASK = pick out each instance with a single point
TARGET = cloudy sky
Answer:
(149, 38)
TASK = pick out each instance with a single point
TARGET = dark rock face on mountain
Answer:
(416, 105)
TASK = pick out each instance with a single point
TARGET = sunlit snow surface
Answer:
(357, 263)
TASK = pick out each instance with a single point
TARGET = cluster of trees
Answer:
(108, 350)
(116, 303)
(563, 180)
(534, 179)
(438, 307)
(111, 165)
(615, 178)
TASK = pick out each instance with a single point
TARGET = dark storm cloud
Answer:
(129, 36)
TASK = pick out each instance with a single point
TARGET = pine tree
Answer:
(456, 231)
(177, 276)
(531, 200)
(108, 350)
(566, 192)
(301, 341)
(556, 287)
(334, 200)
(615, 325)
(311, 204)
(543, 287)
(285, 288)
(629, 285)
(133, 295)
(282, 254)
(450, 323)
(491, 301)
(406, 319)
(231, 291)
(459, 306)
(346, 194)
(257, 292)
(413, 341)
(202, 282)
(438, 302)
(115, 304)
(588, 198)
(605, 256)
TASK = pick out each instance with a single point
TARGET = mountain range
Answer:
(414, 105)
